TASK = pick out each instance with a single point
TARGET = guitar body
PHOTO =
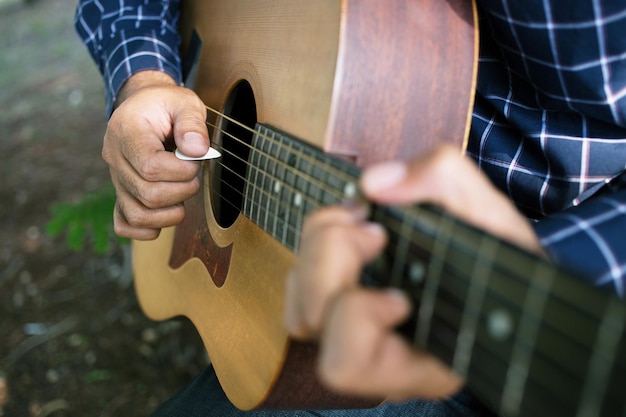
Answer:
(365, 80)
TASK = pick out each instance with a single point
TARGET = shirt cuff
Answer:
(133, 52)
(588, 240)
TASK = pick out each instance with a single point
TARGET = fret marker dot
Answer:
(277, 187)
(500, 324)
(297, 199)
(349, 190)
(417, 272)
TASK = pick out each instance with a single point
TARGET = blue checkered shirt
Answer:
(549, 123)
(125, 37)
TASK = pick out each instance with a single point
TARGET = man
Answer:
(548, 137)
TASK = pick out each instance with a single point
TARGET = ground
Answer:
(73, 341)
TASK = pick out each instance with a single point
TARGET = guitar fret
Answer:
(471, 314)
(301, 186)
(274, 203)
(434, 273)
(605, 351)
(267, 182)
(247, 201)
(517, 374)
(287, 216)
(250, 194)
(292, 180)
(255, 189)
(258, 181)
(277, 175)
(401, 253)
(263, 198)
(276, 186)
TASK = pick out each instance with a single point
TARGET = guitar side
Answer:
(349, 77)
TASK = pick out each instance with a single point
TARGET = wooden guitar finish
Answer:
(363, 79)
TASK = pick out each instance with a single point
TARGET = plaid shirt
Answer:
(549, 123)
(124, 37)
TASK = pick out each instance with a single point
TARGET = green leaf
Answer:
(97, 375)
(91, 217)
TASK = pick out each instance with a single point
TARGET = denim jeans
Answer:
(203, 397)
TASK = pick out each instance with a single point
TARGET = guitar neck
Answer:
(527, 337)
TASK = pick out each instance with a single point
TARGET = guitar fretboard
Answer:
(288, 179)
(530, 339)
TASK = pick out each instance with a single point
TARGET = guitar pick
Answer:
(211, 154)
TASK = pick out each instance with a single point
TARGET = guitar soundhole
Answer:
(228, 174)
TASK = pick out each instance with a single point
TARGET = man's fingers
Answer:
(356, 320)
(122, 228)
(150, 181)
(440, 178)
(133, 220)
(361, 353)
(165, 166)
(153, 194)
(140, 141)
(451, 181)
(336, 244)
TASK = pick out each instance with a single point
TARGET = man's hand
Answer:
(360, 352)
(153, 115)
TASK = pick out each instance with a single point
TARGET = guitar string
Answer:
(302, 156)
(297, 173)
(310, 179)
(580, 377)
(315, 203)
(281, 203)
(550, 328)
(338, 172)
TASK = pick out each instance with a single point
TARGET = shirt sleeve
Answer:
(590, 239)
(126, 37)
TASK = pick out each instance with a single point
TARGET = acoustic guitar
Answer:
(301, 94)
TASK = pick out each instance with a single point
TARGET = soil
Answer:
(73, 340)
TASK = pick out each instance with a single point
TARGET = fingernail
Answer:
(398, 297)
(384, 175)
(375, 229)
(194, 144)
(358, 207)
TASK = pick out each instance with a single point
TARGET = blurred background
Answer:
(73, 341)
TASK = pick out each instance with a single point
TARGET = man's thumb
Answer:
(191, 135)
